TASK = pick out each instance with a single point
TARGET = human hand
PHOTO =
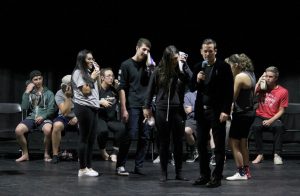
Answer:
(73, 121)
(39, 120)
(200, 76)
(29, 87)
(68, 91)
(105, 103)
(124, 115)
(223, 117)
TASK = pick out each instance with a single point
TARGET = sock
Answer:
(241, 171)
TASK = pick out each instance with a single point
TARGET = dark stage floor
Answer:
(35, 177)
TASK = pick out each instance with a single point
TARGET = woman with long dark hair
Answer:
(168, 83)
(86, 104)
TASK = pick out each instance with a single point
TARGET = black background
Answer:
(48, 35)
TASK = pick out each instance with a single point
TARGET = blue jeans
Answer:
(135, 129)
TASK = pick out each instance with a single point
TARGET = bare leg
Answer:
(21, 129)
(189, 136)
(235, 145)
(245, 151)
(47, 129)
(58, 127)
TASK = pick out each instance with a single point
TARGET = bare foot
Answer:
(104, 154)
(113, 158)
(258, 159)
(24, 157)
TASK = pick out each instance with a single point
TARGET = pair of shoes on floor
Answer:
(66, 156)
(213, 183)
(237, 176)
(55, 159)
(209, 183)
(138, 171)
(87, 172)
(121, 171)
(277, 160)
(201, 181)
(258, 159)
(181, 178)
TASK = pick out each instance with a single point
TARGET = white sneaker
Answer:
(157, 160)
(277, 160)
(92, 172)
(82, 172)
(87, 172)
(237, 176)
(121, 171)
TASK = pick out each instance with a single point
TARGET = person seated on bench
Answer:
(190, 125)
(272, 101)
(40, 101)
(66, 119)
(108, 120)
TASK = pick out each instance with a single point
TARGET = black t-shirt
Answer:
(110, 113)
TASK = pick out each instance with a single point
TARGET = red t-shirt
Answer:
(271, 101)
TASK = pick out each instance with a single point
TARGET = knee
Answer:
(47, 131)
(20, 130)
(58, 127)
(188, 131)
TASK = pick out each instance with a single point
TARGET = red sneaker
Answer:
(247, 171)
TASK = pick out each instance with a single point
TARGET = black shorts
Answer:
(31, 125)
(240, 125)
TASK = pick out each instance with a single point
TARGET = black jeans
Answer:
(277, 128)
(135, 128)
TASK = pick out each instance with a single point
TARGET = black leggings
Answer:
(174, 126)
(87, 119)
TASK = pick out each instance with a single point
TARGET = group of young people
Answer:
(225, 90)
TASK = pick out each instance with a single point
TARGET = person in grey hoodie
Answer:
(39, 102)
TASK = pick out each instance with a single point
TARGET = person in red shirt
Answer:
(272, 101)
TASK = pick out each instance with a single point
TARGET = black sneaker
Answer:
(55, 159)
(138, 171)
(213, 183)
(201, 181)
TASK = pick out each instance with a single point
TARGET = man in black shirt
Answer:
(134, 76)
(214, 84)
